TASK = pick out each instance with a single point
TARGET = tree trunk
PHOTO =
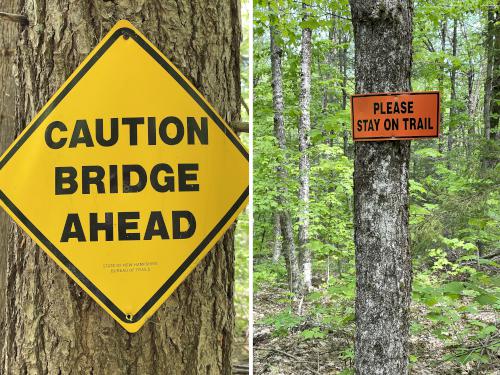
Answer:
(53, 327)
(294, 279)
(343, 70)
(492, 90)
(453, 93)
(495, 86)
(490, 55)
(442, 68)
(277, 241)
(8, 39)
(383, 45)
(292, 264)
(305, 260)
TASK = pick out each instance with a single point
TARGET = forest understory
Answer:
(302, 344)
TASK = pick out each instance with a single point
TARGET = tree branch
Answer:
(240, 127)
(290, 356)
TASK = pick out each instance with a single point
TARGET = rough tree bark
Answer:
(305, 260)
(289, 251)
(53, 327)
(383, 46)
(8, 39)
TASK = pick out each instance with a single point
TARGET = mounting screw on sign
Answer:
(395, 116)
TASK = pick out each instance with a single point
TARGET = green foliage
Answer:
(283, 322)
(314, 333)
(241, 298)
(265, 274)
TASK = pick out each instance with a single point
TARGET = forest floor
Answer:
(290, 353)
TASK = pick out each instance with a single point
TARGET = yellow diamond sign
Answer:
(127, 177)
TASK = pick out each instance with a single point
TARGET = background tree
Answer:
(304, 144)
(52, 326)
(284, 223)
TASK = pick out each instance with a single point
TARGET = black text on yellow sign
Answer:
(127, 178)
(134, 187)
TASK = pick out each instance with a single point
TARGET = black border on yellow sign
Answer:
(127, 33)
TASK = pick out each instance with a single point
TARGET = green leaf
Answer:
(313, 333)
(455, 287)
(486, 299)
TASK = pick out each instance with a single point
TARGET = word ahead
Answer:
(393, 116)
(126, 165)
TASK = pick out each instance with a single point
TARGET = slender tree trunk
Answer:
(468, 126)
(292, 264)
(305, 260)
(495, 86)
(383, 46)
(53, 327)
(294, 277)
(492, 90)
(490, 55)
(8, 38)
(453, 93)
(343, 71)
(277, 241)
(443, 31)
(327, 97)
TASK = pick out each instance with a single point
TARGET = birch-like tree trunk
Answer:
(277, 241)
(53, 327)
(383, 45)
(289, 250)
(305, 260)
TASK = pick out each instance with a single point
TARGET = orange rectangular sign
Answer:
(393, 116)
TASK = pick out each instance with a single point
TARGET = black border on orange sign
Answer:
(376, 139)
(126, 32)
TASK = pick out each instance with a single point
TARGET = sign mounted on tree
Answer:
(127, 177)
(393, 116)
